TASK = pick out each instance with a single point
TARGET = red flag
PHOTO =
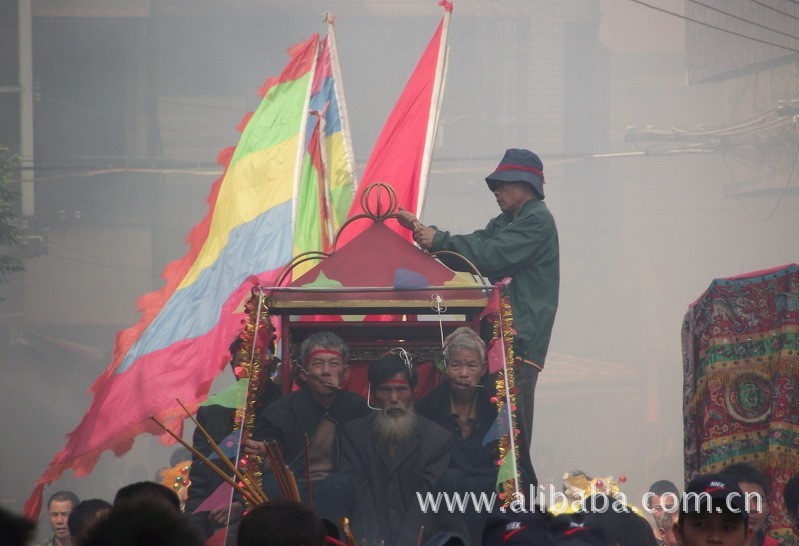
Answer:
(397, 158)
(496, 356)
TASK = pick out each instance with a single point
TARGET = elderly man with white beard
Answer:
(391, 456)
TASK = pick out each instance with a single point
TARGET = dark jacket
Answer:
(289, 420)
(386, 506)
(469, 455)
(526, 249)
(218, 422)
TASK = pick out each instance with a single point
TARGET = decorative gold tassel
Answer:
(504, 332)
(255, 358)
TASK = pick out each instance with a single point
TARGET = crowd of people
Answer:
(724, 509)
(370, 459)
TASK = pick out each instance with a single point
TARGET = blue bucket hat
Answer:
(519, 165)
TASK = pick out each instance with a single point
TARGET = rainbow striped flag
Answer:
(181, 342)
(286, 188)
(326, 182)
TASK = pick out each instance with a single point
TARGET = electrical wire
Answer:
(783, 191)
(128, 269)
(109, 263)
(775, 9)
(744, 123)
(76, 106)
(715, 27)
(728, 14)
(93, 173)
(763, 123)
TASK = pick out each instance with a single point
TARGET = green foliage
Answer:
(9, 234)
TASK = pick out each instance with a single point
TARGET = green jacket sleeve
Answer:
(504, 247)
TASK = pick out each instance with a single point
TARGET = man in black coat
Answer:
(218, 422)
(392, 456)
(317, 412)
(462, 404)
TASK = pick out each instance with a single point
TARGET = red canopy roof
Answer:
(379, 271)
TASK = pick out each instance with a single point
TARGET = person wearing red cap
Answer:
(520, 243)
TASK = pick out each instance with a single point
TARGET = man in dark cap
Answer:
(512, 529)
(713, 511)
(578, 529)
(622, 526)
(521, 243)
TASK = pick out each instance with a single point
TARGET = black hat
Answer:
(578, 529)
(713, 493)
(519, 166)
(621, 524)
(523, 529)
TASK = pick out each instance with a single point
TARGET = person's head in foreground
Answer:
(84, 517)
(713, 511)
(15, 530)
(144, 524)
(281, 522)
(147, 492)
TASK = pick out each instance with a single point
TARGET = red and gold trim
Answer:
(506, 392)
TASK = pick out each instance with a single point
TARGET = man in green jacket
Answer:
(521, 243)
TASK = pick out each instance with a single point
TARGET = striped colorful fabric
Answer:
(180, 344)
(741, 375)
(327, 178)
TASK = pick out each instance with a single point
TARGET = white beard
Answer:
(393, 429)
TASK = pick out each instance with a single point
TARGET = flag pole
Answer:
(338, 87)
(329, 230)
(301, 144)
(435, 108)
